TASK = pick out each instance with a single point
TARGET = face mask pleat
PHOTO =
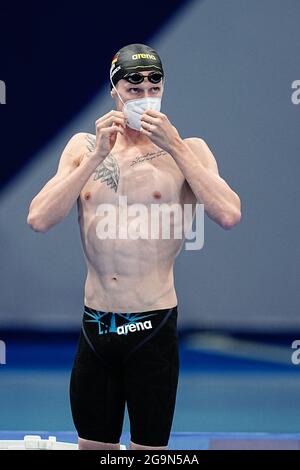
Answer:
(134, 109)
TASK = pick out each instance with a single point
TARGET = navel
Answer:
(87, 196)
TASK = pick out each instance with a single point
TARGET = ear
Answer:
(113, 93)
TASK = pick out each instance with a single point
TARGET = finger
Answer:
(150, 119)
(145, 131)
(148, 126)
(110, 121)
(111, 130)
(113, 112)
(113, 119)
(152, 112)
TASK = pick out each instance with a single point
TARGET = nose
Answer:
(147, 92)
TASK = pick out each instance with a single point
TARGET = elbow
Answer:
(36, 224)
(232, 217)
(231, 220)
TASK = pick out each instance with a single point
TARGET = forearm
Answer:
(51, 205)
(221, 203)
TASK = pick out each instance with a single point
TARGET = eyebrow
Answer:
(132, 85)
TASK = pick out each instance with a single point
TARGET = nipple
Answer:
(157, 195)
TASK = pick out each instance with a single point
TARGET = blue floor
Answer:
(36, 399)
(216, 393)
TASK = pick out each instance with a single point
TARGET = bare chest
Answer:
(144, 178)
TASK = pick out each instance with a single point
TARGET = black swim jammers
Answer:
(126, 358)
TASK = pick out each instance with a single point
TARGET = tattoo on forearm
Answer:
(147, 156)
(108, 171)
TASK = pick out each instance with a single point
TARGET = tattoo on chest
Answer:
(146, 157)
(108, 171)
(91, 142)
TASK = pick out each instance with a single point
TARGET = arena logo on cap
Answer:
(143, 56)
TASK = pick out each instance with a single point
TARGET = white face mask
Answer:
(134, 109)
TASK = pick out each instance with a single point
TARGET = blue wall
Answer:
(230, 66)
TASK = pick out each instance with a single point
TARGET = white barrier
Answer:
(37, 443)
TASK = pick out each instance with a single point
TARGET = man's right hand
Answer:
(107, 128)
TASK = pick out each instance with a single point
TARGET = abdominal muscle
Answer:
(126, 275)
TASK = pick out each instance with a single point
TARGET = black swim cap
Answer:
(134, 57)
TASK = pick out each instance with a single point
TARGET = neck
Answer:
(131, 138)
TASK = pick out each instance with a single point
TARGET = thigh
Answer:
(151, 379)
(97, 396)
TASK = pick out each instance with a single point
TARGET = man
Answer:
(128, 347)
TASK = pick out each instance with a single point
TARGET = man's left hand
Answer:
(158, 128)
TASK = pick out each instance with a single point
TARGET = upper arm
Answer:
(72, 154)
(70, 158)
(200, 147)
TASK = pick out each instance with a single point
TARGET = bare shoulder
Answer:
(70, 157)
(77, 146)
(201, 149)
(82, 141)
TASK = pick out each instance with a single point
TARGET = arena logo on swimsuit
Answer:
(131, 327)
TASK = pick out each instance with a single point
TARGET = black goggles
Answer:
(137, 77)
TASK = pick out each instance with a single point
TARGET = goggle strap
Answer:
(116, 89)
